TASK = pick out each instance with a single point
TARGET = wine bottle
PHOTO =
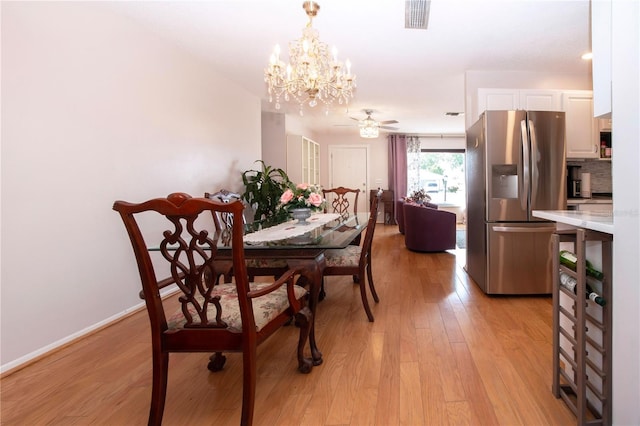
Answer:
(569, 260)
(570, 283)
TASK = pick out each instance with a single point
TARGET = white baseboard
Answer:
(78, 335)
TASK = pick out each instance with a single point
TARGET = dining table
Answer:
(303, 247)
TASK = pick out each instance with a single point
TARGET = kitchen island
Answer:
(592, 220)
(582, 320)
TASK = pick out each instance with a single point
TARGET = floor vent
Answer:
(416, 14)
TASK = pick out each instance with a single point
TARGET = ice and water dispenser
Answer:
(504, 181)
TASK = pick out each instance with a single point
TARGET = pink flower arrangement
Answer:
(302, 195)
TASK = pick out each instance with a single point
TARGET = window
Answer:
(442, 175)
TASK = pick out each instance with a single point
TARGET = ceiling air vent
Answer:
(416, 14)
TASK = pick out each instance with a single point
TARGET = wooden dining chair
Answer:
(343, 201)
(211, 317)
(255, 267)
(224, 220)
(356, 260)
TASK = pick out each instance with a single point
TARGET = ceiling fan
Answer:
(370, 128)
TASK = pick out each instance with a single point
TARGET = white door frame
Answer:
(333, 148)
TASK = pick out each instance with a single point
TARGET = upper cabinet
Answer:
(582, 132)
(601, 62)
(581, 129)
(540, 100)
(303, 160)
(523, 99)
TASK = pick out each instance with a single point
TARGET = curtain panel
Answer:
(413, 164)
(398, 167)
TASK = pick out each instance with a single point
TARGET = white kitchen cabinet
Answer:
(540, 100)
(522, 99)
(581, 129)
(498, 99)
(303, 160)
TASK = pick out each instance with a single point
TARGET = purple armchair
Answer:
(428, 229)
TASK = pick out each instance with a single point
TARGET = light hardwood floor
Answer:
(440, 352)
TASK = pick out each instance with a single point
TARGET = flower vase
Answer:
(301, 215)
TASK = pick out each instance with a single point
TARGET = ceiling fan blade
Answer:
(353, 118)
(388, 122)
(388, 128)
(345, 125)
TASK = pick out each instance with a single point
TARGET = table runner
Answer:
(289, 229)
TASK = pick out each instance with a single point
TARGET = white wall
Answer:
(625, 67)
(274, 140)
(95, 109)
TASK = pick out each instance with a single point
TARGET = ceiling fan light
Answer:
(369, 131)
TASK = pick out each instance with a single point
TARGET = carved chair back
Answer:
(344, 201)
(222, 219)
(212, 317)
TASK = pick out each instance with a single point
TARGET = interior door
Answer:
(349, 167)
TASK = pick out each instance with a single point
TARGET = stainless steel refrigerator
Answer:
(515, 164)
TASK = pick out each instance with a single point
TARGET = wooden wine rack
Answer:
(582, 333)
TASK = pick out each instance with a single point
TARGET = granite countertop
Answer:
(594, 220)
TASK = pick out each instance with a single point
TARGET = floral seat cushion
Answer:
(265, 308)
(348, 256)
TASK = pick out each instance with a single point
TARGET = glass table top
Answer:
(337, 233)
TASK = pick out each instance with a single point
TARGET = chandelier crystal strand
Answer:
(313, 74)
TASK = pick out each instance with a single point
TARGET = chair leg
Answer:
(248, 384)
(371, 286)
(159, 387)
(304, 319)
(216, 362)
(323, 293)
(365, 301)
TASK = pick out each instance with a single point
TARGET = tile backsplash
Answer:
(600, 174)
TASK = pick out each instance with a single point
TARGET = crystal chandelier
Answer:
(313, 74)
(369, 128)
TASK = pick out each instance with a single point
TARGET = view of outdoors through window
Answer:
(442, 176)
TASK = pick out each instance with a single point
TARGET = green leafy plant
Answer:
(263, 189)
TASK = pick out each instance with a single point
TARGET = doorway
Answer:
(349, 167)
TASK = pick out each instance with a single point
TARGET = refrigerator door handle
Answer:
(523, 229)
(524, 189)
(534, 167)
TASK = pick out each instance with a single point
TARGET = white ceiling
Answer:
(413, 76)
